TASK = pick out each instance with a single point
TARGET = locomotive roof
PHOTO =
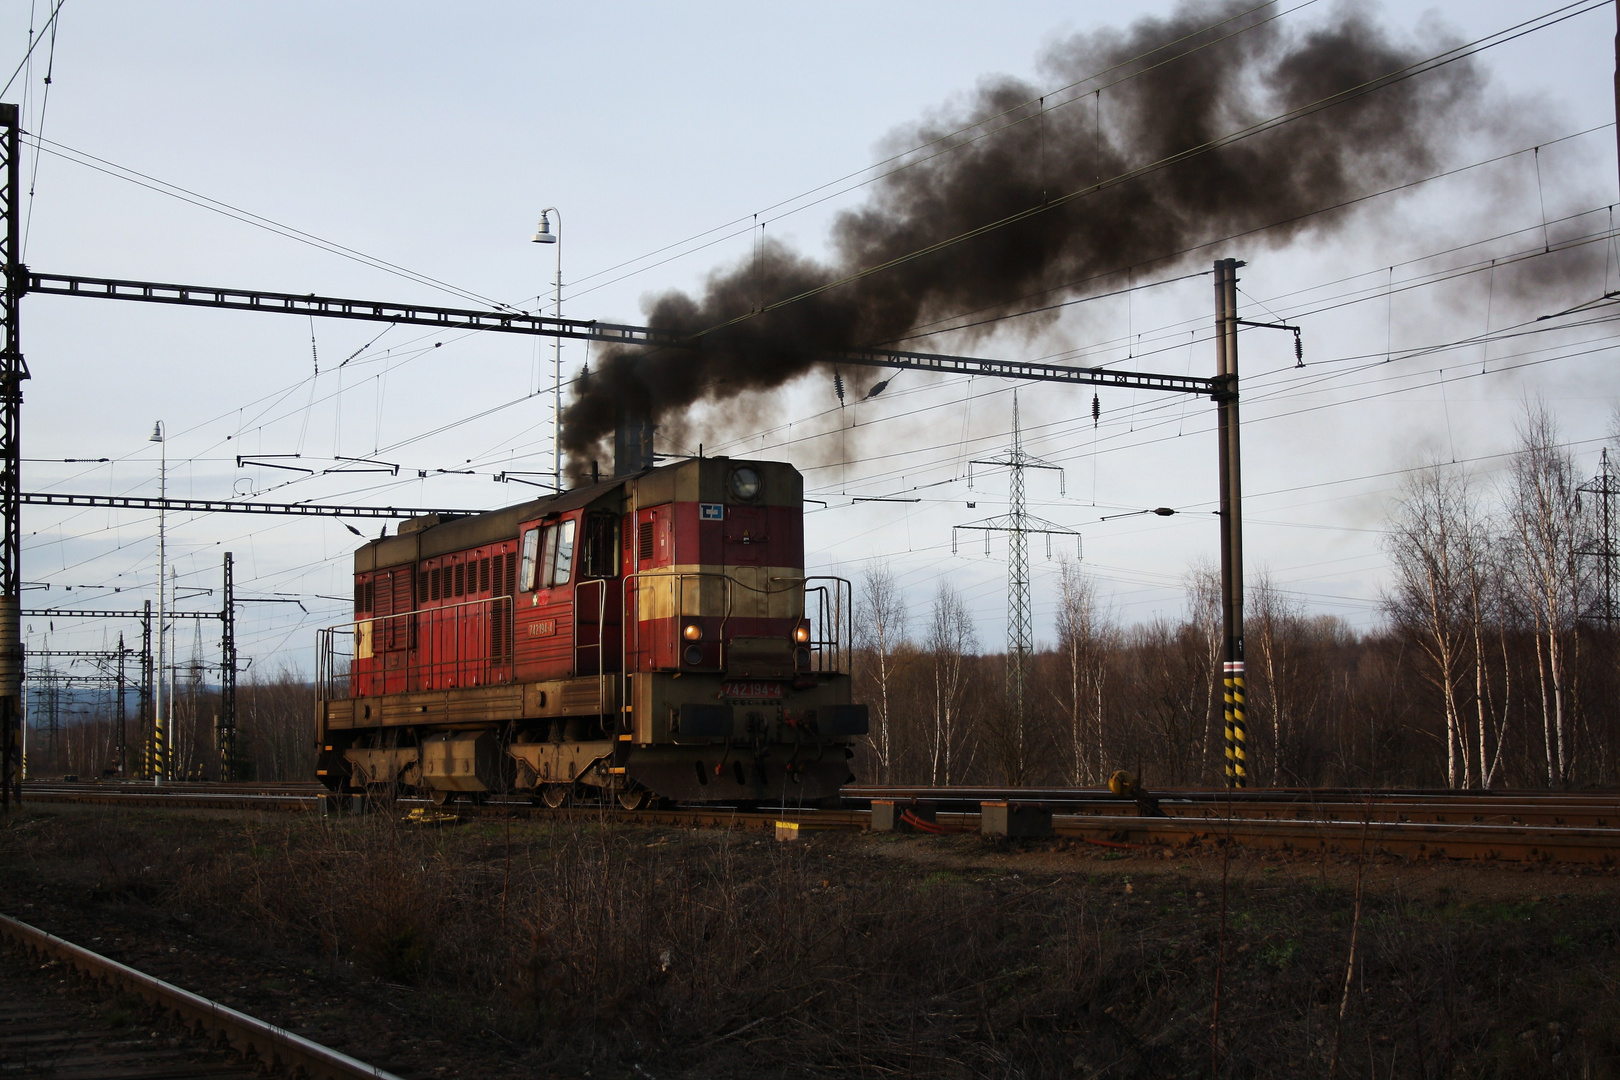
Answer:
(437, 536)
(423, 538)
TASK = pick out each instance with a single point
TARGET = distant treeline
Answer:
(1496, 665)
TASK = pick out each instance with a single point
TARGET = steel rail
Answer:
(1507, 843)
(1187, 826)
(1252, 795)
(274, 1047)
(1526, 807)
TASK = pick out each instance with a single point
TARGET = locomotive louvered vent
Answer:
(461, 579)
(509, 587)
(422, 584)
(400, 630)
(644, 541)
(360, 596)
(483, 575)
(433, 584)
(371, 588)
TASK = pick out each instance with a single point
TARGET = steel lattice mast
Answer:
(1018, 524)
(1605, 486)
(13, 371)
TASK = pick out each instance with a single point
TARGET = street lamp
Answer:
(544, 235)
(160, 737)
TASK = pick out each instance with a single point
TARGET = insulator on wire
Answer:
(1096, 409)
(838, 388)
(1299, 351)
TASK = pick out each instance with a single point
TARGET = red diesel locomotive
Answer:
(653, 635)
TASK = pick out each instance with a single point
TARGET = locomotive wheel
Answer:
(635, 799)
(554, 795)
(439, 796)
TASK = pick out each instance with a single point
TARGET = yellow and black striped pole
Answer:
(157, 756)
(1231, 472)
(1237, 728)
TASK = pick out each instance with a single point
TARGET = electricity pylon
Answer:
(1019, 525)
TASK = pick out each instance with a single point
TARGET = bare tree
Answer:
(276, 729)
(1487, 608)
(1203, 585)
(1429, 551)
(952, 643)
(1551, 577)
(880, 632)
(1086, 638)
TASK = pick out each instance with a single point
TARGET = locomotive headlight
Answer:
(745, 483)
(801, 634)
(693, 632)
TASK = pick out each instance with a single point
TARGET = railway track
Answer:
(41, 1034)
(1524, 826)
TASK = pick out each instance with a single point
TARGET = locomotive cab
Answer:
(651, 635)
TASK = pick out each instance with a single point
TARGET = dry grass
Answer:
(556, 948)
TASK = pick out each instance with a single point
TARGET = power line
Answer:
(1432, 63)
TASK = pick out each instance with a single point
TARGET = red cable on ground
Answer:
(929, 826)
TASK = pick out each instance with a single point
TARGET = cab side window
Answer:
(601, 556)
(548, 556)
(531, 548)
(562, 568)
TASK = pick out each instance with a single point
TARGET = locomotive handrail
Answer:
(677, 578)
(629, 618)
(421, 624)
(601, 632)
(836, 601)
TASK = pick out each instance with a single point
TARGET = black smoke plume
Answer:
(1171, 85)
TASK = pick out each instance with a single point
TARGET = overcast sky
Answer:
(430, 137)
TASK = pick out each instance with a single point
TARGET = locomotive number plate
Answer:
(543, 628)
(754, 690)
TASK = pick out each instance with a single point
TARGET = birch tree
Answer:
(1550, 574)
(1429, 552)
(952, 643)
(880, 631)
(1086, 637)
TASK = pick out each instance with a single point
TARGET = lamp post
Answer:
(544, 235)
(159, 736)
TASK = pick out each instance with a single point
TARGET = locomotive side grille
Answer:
(433, 584)
(505, 575)
(644, 541)
(371, 589)
(483, 575)
(400, 631)
(422, 584)
(461, 579)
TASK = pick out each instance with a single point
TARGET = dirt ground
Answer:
(507, 948)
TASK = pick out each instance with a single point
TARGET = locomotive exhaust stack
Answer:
(633, 442)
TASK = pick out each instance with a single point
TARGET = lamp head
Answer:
(545, 235)
(157, 432)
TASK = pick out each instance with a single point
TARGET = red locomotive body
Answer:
(650, 635)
